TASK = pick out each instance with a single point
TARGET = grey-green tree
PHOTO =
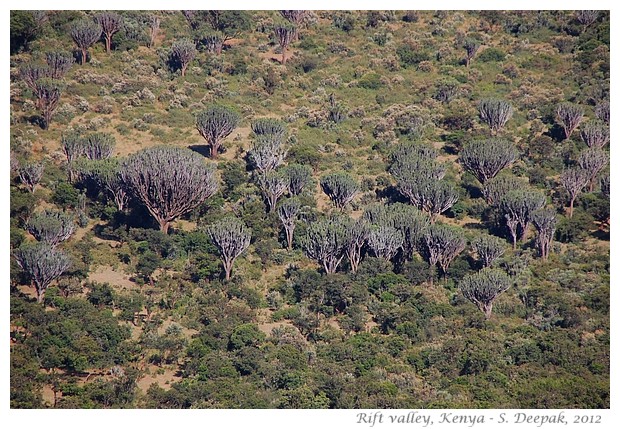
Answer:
(595, 134)
(385, 241)
(106, 173)
(85, 33)
(483, 288)
(49, 92)
(58, 63)
(73, 148)
(573, 180)
(298, 176)
(232, 237)
(325, 242)
(267, 153)
(443, 244)
(569, 115)
(410, 221)
(488, 248)
(356, 234)
(592, 161)
(517, 207)
(285, 34)
(544, 221)
(51, 226)
(288, 212)
(269, 127)
(110, 23)
(215, 124)
(272, 185)
(182, 52)
(495, 113)
(340, 187)
(43, 264)
(295, 17)
(500, 185)
(169, 181)
(602, 111)
(30, 174)
(471, 46)
(98, 145)
(485, 159)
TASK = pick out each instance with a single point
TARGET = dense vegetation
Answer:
(295, 209)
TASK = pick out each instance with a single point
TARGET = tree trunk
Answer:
(183, 68)
(289, 238)
(40, 295)
(47, 116)
(108, 43)
(83, 59)
(215, 148)
(227, 269)
(570, 208)
(164, 225)
(487, 308)
(283, 54)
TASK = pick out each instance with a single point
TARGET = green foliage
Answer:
(410, 56)
(66, 195)
(370, 81)
(492, 55)
(24, 30)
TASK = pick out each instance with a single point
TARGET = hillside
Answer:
(404, 209)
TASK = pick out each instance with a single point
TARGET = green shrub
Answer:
(409, 56)
(370, 81)
(492, 55)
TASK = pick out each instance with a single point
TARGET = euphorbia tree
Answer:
(169, 181)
